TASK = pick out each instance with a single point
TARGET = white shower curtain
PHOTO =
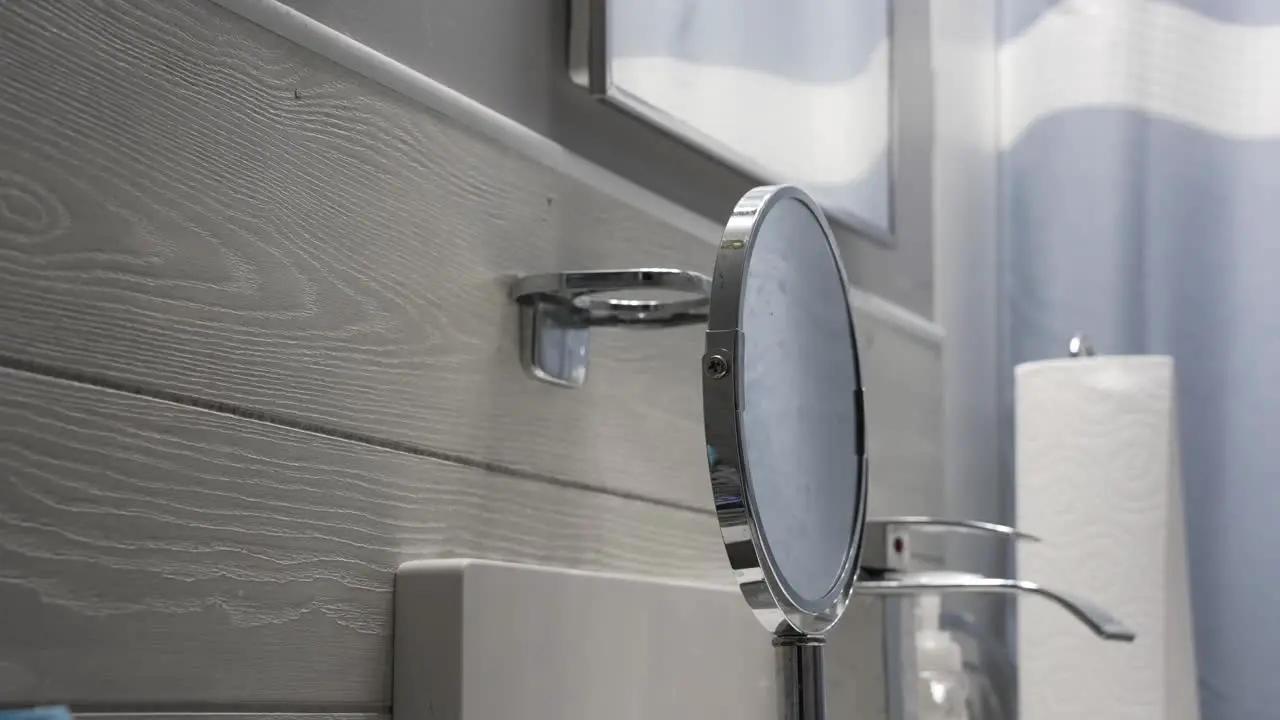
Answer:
(1140, 203)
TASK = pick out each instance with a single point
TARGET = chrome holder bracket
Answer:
(558, 310)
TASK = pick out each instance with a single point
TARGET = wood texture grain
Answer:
(152, 553)
(268, 715)
(191, 203)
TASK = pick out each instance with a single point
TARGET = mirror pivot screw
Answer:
(717, 366)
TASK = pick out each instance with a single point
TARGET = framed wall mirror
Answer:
(797, 92)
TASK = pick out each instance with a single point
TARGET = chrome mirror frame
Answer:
(770, 596)
(798, 625)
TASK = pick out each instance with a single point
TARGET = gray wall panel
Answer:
(201, 206)
(155, 553)
(511, 56)
(196, 209)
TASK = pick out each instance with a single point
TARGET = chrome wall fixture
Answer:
(784, 423)
(885, 570)
(558, 310)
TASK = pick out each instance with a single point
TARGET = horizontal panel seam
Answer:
(142, 710)
(106, 382)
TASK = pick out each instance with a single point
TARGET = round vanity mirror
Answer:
(782, 400)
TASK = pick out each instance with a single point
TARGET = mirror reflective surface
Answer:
(796, 92)
(782, 404)
(799, 377)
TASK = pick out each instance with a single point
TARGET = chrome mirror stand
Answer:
(801, 675)
(558, 310)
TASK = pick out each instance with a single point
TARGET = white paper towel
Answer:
(1098, 480)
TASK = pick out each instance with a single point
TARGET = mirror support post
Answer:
(801, 677)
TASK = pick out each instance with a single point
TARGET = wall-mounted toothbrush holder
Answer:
(558, 310)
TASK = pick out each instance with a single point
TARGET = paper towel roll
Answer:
(1098, 479)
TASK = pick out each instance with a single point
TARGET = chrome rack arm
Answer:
(1101, 622)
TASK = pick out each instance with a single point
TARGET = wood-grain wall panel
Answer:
(194, 204)
(197, 715)
(153, 554)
